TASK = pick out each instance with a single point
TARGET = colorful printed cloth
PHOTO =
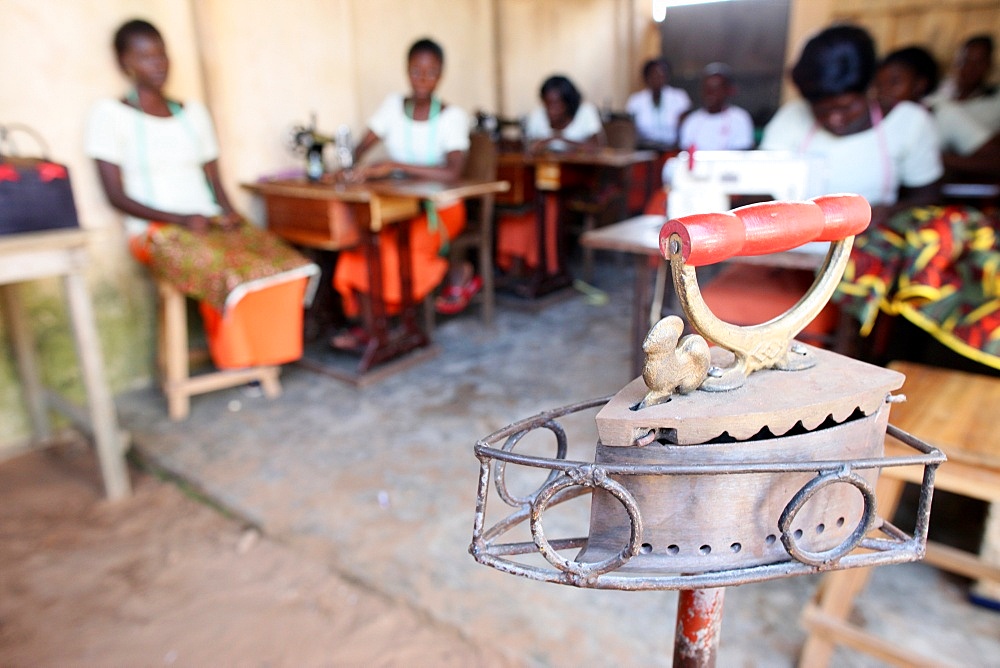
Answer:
(939, 267)
(220, 266)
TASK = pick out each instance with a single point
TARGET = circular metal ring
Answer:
(500, 468)
(805, 494)
(586, 476)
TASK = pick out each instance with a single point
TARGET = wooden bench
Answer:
(953, 411)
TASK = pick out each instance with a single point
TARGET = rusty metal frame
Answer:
(874, 542)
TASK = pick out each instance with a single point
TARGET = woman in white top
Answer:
(891, 161)
(657, 108)
(565, 121)
(969, 85)
(931, 264)
(717, 125)
(427, 139)
(967, 148)
(158, 164)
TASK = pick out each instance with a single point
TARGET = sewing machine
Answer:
(311, 143)
(706, 181)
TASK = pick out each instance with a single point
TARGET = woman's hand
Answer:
(374, 171)
(196, 222)
(382, 169)
(229, 220)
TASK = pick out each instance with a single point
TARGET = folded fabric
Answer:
(221, 266)
(939, 267)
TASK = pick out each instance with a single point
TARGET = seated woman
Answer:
(892, 160)
(425, 138)
(968, 149)
(969, 85)
(564, 121)
(157, 160)
(658, 107)
(717, 125)
(928, 263)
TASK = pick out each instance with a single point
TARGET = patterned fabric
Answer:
(214, 265)
(939, 267)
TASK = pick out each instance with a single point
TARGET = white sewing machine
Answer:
(706, 183)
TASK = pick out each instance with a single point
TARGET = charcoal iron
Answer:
(740, 455)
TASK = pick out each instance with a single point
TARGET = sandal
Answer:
(352, 338)
(454, 298)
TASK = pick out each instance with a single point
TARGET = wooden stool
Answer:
(174, 362)
(953, 411)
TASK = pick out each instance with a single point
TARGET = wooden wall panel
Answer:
(940, 25)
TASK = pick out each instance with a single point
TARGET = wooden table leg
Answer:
(989, 552)
(835, 595)
(641, 304)
(17, 324)
(384, 344)
(108, 439)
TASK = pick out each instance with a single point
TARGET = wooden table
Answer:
(553, 173)
(63, 253)
(640, 236)
(953, 411)
(339, 216)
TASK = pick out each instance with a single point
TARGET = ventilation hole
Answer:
(705, 549)
(797, 534)
(673, 549)
(820, 528)
(735, 547)
(645, 548)
(770, 539)
(840, 522)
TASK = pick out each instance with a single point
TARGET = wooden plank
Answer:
(439, 191)
(973, 481)
(952, 410)
(641, 235)
(310, 190)
(958, 561)
(48, 240)
(841, 633)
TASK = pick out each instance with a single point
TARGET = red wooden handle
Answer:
(768, 227)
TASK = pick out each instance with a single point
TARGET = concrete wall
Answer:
(55, 60)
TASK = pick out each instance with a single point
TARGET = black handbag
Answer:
(35, 193)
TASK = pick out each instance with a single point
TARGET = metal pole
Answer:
(699, 622)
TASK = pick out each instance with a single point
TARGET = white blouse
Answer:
(420, 142)
(729, 130)
(585, 124)
(901, 150)
(658, 123)
(161, 159)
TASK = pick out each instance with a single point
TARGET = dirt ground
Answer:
(164, 579)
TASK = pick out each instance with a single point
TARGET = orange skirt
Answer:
(517, 238)
(264, 327)
(427, 266)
